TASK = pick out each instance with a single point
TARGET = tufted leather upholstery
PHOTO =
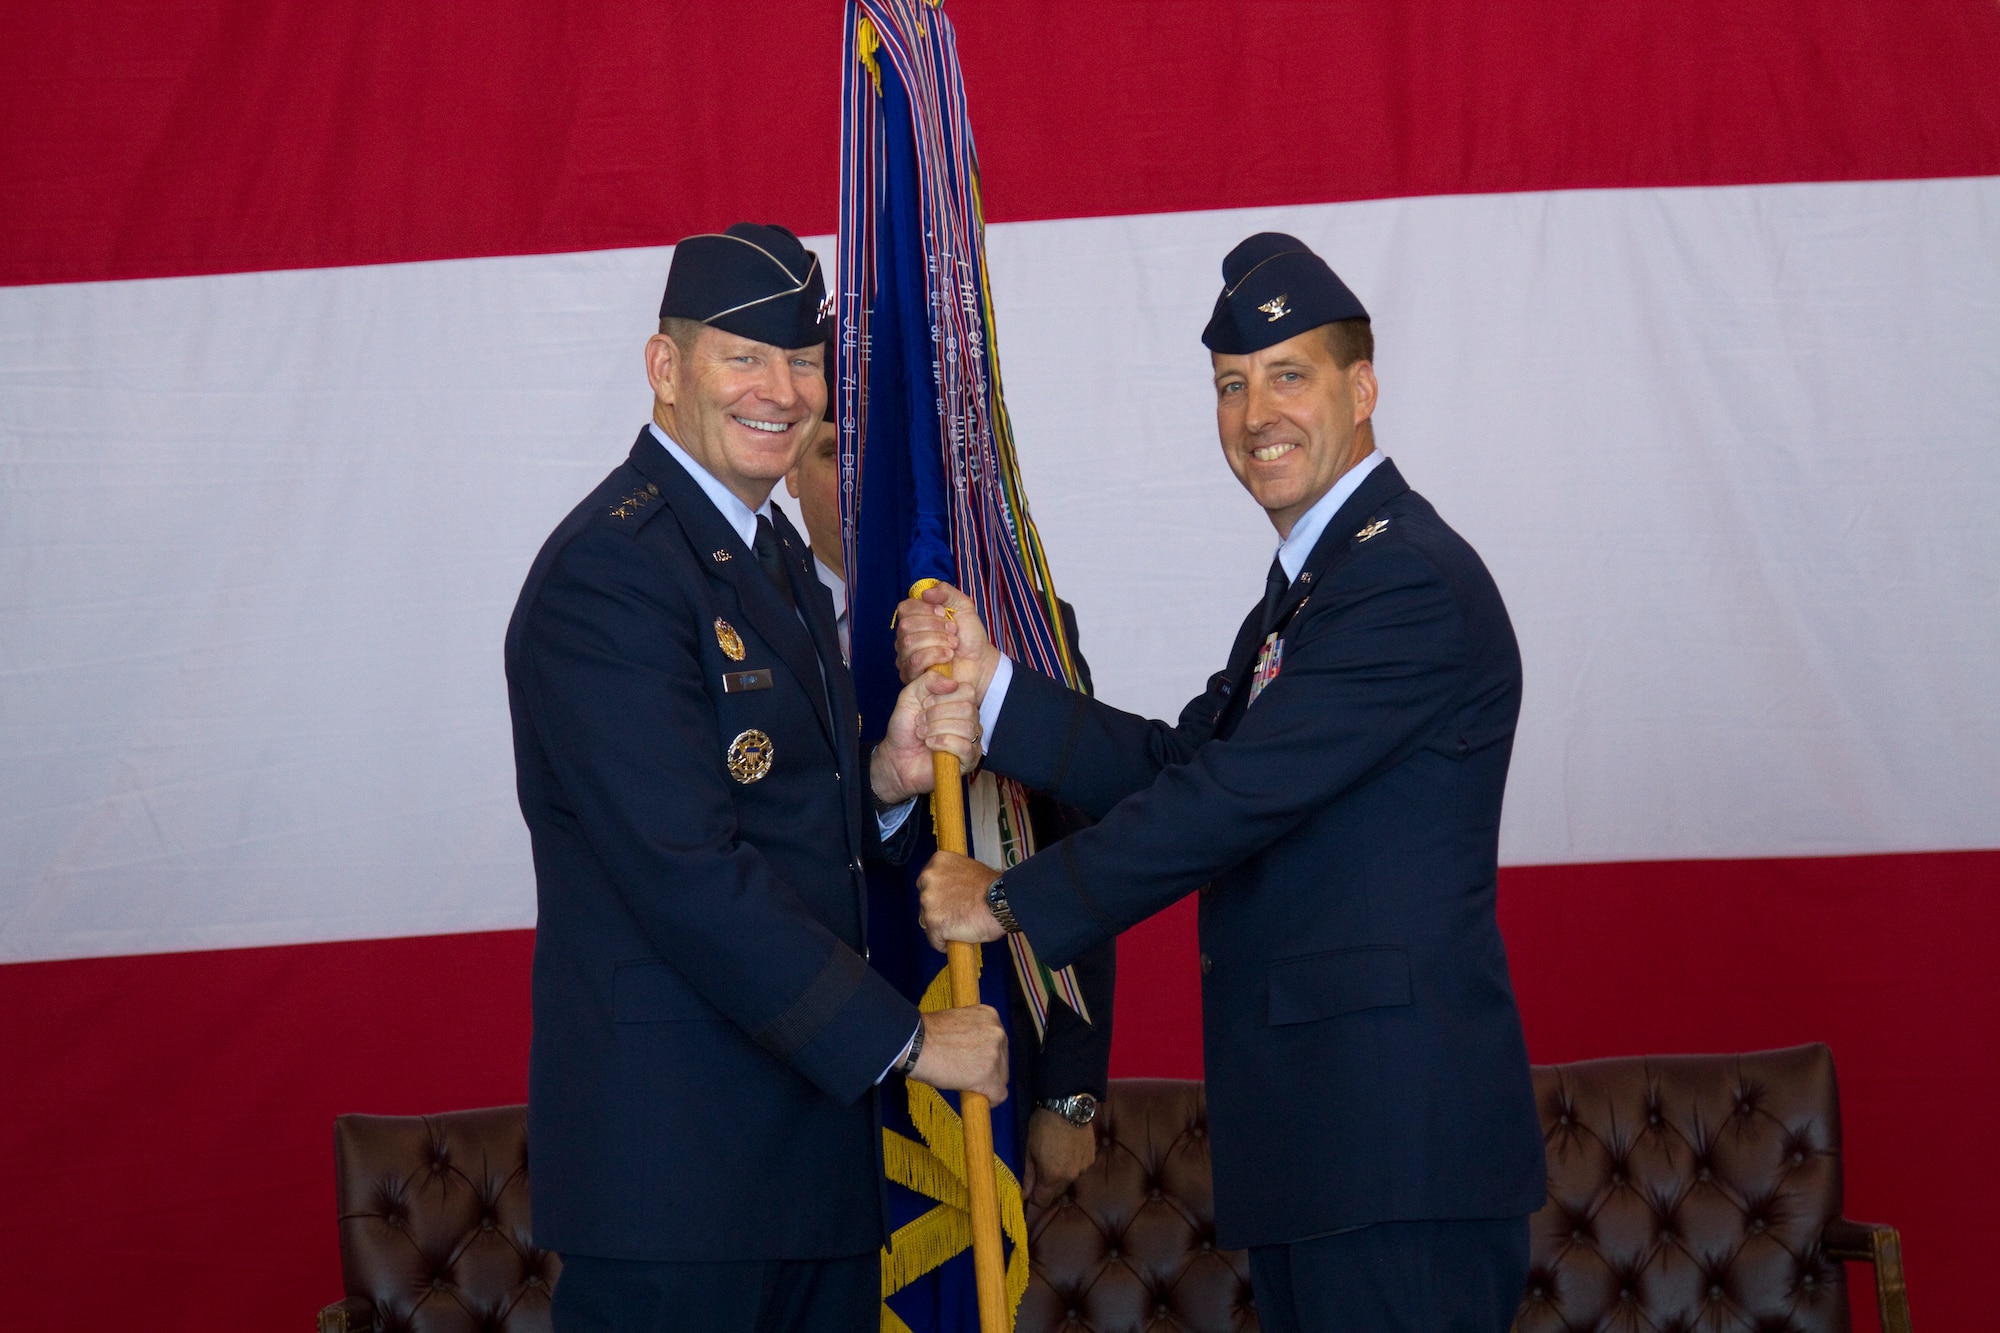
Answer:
(1132, 1245)
(434, 1225)
(1689, 1192)
(1685, 1193)
(1696, 1192)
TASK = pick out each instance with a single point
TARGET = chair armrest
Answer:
(352, 1315)
(1868, 1243)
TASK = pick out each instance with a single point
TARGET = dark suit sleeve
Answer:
(1085, 753)
(612, 660)
(1075, 1055)
(1366, 678)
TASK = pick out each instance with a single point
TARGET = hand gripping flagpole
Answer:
(962, 959)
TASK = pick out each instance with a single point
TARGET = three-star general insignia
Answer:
(1275, 308)
(750, 756)
(731, 641)
(1374, 529)
(634, 502)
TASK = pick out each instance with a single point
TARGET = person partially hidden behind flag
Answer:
(1065, 1073)
(708, 1035)
(1335, 796)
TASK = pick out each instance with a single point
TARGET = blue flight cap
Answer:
(1274, 288)
(753, 281)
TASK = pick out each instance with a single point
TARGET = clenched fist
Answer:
(943, 627)
(965, 1050)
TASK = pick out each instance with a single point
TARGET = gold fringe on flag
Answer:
(935, 1169)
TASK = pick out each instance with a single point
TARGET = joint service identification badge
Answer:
(750, 756)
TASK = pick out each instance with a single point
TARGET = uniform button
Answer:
(1207, 964)
(1206, 889)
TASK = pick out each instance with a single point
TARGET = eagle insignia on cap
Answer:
(1276, 307)
(750, 756)
(1374, 529)
(731, 641)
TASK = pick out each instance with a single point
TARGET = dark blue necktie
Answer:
(1275, 584)
(771, 557)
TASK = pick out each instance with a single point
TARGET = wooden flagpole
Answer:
(948, 806)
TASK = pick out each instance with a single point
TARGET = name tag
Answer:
(742, 682)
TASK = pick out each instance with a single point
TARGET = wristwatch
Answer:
(1079, 1109)
(996, 903)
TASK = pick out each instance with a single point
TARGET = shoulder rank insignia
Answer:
(1374, 529)
(1276, 308)
(750, 756)
(731, 641)
(634, 502)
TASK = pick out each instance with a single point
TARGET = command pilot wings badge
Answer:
(729, 639)
(1276, 307)
(1374, 529)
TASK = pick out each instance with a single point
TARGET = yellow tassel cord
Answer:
(866, 44)
(935, 1169)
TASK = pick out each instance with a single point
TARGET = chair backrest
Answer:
(1685, 1192)
(434, 1221)
(1689, 1192)
(1133, 1242)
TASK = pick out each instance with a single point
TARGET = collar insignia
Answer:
(1374, 529)
(731, 641)
(720, 555)
(1276, 307)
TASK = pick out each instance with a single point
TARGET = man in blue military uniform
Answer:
(708, 1035)
(1335, 796)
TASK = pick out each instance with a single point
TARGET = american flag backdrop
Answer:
(315, 318)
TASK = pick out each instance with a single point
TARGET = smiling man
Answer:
(1334, 794)
(708, 1035)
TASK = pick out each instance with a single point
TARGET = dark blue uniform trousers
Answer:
(771, 1296)
(1395, 1277)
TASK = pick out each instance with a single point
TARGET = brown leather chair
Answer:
(1685, 1192)
(434, 1226)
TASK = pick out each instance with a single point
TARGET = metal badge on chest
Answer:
(750, 756)
(731, 641)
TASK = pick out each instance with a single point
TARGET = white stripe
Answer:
(1733, 456)
(1730, 454)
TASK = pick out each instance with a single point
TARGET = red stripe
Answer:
(203, 136)
(165, 1134)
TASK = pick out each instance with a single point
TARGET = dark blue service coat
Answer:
(707, 1033)
(1364, 1055)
